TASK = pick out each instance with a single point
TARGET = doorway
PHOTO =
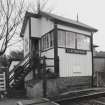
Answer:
(35, 46)
(35, 51)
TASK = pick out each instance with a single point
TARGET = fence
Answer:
(99, 71)
(3, 79)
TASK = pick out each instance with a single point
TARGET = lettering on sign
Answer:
(75, 51)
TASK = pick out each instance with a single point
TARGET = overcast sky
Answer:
(90, 12)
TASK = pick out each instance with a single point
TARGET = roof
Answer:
(66, 20)
(58, 20)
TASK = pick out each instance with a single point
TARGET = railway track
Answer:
(84, 97)
(93, 101)
(96, 101)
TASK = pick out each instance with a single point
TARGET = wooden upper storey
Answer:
(43, 22)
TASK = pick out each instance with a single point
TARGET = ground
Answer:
(27, 101)
(8, 101)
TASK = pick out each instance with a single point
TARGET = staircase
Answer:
(17, 75)
(16, 78)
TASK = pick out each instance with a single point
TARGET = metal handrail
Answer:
(26, 67)
(25, 64)
(12, 77)
(18, 64)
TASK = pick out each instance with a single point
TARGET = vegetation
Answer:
(11, 17)
(16, 55)
(4, 61)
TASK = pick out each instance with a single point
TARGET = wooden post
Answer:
(57, 65)
(44, 78)
(56, 68)
(97, 78)
(7, 79)
(92, 59)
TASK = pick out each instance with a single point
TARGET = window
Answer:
(83, 42)
(51, 39)
(70, 40)
(41, 43)
(66, 39)
(61, 38)
(73, 40)
(44, 42)
(47, 41)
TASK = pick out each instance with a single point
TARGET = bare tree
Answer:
(40, 5)
(11, 17)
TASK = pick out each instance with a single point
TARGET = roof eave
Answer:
(67, 23)
(74, 25)
(57, 21)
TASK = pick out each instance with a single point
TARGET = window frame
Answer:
(43, 41)
(76, 33)
(89, 43)
(61, 41)
(48, 34)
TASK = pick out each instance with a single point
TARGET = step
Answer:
(22, 74)
(19, 77)
(17, 80)
(24, 71)
(17, 86)
(17, 83)
(16, 93)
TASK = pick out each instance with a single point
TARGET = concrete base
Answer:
(58, 86)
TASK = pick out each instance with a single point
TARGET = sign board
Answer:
(75, 51)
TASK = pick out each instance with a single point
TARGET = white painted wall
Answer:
(40, 26)
(74, 29)
(49, 54)
(74, 64)
(35, 27)
(26, 40)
